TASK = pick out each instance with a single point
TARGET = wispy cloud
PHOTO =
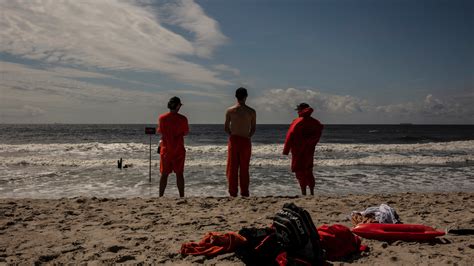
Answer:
(20, 112)
(226, 68)
(28, 92)
(190, 16)
(277, 99)
(47, 83)
(206, 94)
(432, 108)
(113, 34)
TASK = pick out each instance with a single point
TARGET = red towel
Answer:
(213, 244)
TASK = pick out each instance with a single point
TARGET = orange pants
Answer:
(169, 164)
(238, 157)
(305, 178)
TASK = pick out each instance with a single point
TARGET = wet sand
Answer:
(151, 230)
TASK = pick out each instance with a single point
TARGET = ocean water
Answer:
(56, 160)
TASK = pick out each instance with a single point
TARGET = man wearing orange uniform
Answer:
(172, 127)
(240, 124)
(303, 135)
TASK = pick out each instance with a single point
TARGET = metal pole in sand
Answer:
(150, 131)
(149, 171)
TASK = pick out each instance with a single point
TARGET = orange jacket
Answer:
(172, 127)
(303, 135)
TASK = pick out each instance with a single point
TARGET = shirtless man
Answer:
(240, 123)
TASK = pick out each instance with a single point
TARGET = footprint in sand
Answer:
(115, 248)
(125, 258)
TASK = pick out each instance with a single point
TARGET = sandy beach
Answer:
(151, 230)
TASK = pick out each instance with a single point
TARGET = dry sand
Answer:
(151, 231)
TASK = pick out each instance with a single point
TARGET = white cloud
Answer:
(10, 71)
(226, 68)
(49, 83)
(206, 94)
(27, 92)
(16, 112)
(430, 107)
(278, 99)
(112, 34)
(346, 108)
(190, 16)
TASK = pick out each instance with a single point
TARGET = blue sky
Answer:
(353, 61)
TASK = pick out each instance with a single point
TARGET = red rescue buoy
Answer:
(392, 232)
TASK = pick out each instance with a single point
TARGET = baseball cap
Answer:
(301, 106)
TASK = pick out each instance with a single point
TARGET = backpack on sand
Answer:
(297, 234)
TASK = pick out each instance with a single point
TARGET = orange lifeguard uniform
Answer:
(172, 127)
(239, 150)
(303, 135)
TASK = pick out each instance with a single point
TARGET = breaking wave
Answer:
(101, 154)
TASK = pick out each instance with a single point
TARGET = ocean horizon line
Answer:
(270, 124)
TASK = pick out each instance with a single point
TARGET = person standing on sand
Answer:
(240, 124)
(303, 135)
(172, 127)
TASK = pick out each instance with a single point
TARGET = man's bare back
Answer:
(240, 120)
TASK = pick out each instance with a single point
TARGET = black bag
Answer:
(262, 247)
(297, 234)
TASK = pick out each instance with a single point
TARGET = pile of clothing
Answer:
(292, 239)
(382, 214)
